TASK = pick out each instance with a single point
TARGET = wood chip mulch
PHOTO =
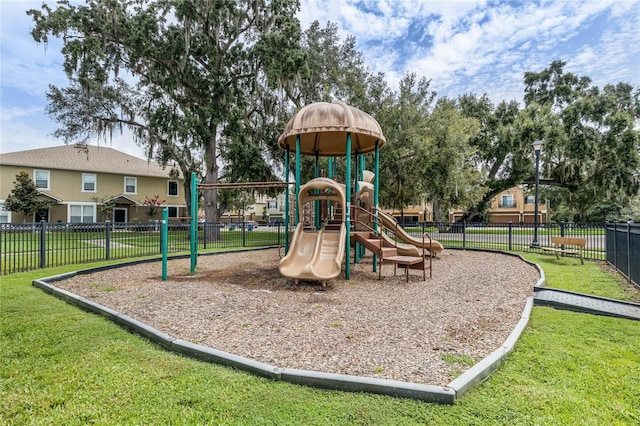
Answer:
(421, 331)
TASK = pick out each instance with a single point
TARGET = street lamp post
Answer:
(537, 147)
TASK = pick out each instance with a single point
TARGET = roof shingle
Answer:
(99, 159)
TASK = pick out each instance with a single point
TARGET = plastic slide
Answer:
(412, 246)
(404, 249)
(316, 254)
(390, 223)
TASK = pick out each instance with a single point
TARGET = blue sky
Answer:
(462, 46)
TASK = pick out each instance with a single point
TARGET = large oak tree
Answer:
(185, 76)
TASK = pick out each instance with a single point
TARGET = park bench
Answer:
(567, 245)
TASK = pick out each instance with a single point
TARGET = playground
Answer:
(332, 301)
(420, 331)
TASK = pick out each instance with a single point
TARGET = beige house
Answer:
(265, 209)
(80, 182)
(413, 213)
(511, 205)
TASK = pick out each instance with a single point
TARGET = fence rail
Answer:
(623, 249)
(512, 236)
(31, 246)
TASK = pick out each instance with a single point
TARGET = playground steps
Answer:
(388, 254)
(375, 245)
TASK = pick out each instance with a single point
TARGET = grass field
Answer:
(61, 365)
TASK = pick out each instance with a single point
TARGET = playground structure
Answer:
(322, 240)
(331, 130)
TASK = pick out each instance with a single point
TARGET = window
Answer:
(530, 199)
(130, 185)
(272, 205)
(5, 215)
(88, 182)
(82, 213)
(507, 201)
(172, 211)
(173, 188)
(42, 179)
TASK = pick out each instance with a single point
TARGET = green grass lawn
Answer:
(61, 365)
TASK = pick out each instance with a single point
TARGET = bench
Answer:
(567, 245)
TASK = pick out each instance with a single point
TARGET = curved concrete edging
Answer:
(348, 383)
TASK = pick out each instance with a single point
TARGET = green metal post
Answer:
(297, 177)
(316, 204)
(286, 202)
(376, 181)
(164, 237)
(194, 222)
(356, 187)
(347, 216)
(361, 164)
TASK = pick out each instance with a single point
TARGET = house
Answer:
(82, 184)
(412, 213)
(511, 205)
(264, 209)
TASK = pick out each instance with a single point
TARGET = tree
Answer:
(333, 70)
(592, 146)
(180, 74)
(26, 198)
(153, 206)
(502, 147)
(105, 205)
(404, 122)
(451, 176)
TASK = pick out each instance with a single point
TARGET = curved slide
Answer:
(390, 223)
(316, 254)
(412, 246)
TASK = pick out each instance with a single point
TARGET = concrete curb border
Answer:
(347, 383)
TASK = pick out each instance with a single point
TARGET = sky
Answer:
(462, 46)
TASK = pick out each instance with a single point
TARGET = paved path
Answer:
(583, 303)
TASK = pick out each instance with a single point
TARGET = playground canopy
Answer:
(323, 129)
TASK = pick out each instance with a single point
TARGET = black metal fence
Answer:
(29, 246)
(513, 236)
(623, 249)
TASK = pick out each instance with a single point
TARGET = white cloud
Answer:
(462, 46)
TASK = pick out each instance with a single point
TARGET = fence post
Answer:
(43, 244)
(629, 249)
(510, 235)
(164, 241)
(464, 233)
(562, 228)
(107, 240)
(204, 235)
(615, 244)
(278, 232)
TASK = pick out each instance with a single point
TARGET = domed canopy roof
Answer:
(323, 129)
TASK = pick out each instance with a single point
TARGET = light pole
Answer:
(537, 147)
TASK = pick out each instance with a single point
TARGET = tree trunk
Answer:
(438, 214)
(210, 196)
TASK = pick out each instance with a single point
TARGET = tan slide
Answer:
(412, 245)
(390, 223)
(316, 254)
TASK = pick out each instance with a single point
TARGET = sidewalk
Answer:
(563, 299)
